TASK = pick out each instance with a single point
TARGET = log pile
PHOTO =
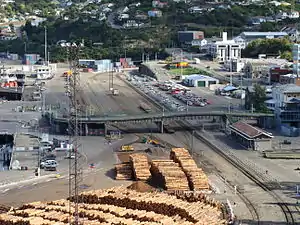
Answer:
(123, 171)
(196, 177)
(169, 175)
(120, 206)
(141, 166)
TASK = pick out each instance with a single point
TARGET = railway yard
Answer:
(201, 174)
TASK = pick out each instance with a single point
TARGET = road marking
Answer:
(48, 180)
(7, 189)
(34, 183)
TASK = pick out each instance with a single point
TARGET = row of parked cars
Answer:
(191, 99)
(148, 87)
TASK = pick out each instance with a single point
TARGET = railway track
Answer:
(244, 198)
(258, 179)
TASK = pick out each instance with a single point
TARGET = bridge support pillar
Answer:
(162, 127)
(86, 129)
(105, 130)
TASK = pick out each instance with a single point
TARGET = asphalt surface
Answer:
(219, 103)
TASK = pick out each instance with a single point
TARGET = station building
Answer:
(251, 137)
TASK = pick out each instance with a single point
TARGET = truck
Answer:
(126, 148)
(50, 165)
(145, 107)
(182, 64)
(168, 129)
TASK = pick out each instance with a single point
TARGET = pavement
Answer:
(219, 103)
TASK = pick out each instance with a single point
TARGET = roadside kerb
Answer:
(32, 180)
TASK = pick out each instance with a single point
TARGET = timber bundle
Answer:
(123, 171)
(196, 177)
(168, 174)
(141, 166)
(118, 206)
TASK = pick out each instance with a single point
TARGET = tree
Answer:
(258, 98)
(274, 46)
(287, 55)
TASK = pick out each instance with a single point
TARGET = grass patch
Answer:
(188, 71)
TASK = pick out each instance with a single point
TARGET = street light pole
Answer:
(192, 144)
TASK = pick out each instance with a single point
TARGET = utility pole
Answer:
(46, 51)
(181, 60)
(241, 90)
(192, 143)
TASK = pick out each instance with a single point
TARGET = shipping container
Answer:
(122, 60)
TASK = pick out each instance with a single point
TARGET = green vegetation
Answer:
(113, 43)
(276, 46)
(257, 100)
(188, 71)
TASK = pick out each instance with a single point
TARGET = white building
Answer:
(197, 80)
(296, 59)
(225, 50)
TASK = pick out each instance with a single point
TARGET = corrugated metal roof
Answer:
(288, 88)
(264, 33)
(248, 130)
(199, 77)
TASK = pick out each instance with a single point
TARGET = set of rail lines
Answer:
(259, 179)
(265, 183)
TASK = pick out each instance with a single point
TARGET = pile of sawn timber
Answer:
(197, 179)
(140, 166)
(168, 174)
(123, 171)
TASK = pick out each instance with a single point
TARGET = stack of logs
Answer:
(169, 175)
(119, 206)
(141, 166)
(123, 171)
(196, 177)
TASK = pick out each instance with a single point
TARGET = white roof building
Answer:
(225, 50)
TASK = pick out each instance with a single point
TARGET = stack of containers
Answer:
(104, 65)
(30, 59)
(13, 56)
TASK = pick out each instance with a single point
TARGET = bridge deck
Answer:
(161, 116)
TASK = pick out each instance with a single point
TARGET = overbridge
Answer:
(160, 117)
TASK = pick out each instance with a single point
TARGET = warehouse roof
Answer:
(199, 77)
(264, 34)
(248, 130)
(288, 88)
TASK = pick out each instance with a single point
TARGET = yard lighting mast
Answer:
(74, 130)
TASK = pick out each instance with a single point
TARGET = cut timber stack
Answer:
(169, 175)
(123, 171)
(196, 177)
(120, 206)
(141, 166)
